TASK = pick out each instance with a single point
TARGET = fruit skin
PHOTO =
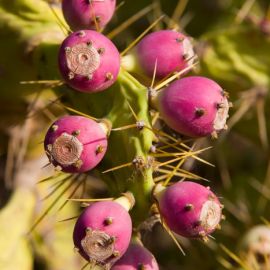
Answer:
(94, 218)
(189, 209)
(172, 51)
(88, 61)
(136, 257)
(193, 106)
(81, 132)
(80, 14)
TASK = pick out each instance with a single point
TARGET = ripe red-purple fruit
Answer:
(88, 61)
(103, 231)
(171, 50)
(189, 209)
(75, 143)
(136, 257)
(193, 106)
(85, 14)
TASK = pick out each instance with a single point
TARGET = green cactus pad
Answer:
(124, 145)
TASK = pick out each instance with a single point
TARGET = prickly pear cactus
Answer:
(153, 135)
(115, 105)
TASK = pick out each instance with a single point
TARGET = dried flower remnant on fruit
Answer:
(66, 150)
(83, 59)
(189, 54)
(222, 114)
(103, 231)
(98, 245)
(210, 215)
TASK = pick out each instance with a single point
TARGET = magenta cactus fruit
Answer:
(171, 50)
(193, 106)
(76, 144)
(189, 209)
(88, 61)
(103, 231)
(85, 14)
(136, 257)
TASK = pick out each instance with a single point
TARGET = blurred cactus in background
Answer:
(153, 135)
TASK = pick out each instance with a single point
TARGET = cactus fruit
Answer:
(169, 50)
(193, 106)
(189, 209)
(103, 231)
(255, 246)
(88, 14)
(76, 143)
(137, 257)
(88, 61)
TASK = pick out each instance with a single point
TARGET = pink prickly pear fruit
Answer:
(189, 209)
(85, 14)
(88, 61)
(76, 144)
(137, 257)
(103, 231)
(193, 106)
(169, 50)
